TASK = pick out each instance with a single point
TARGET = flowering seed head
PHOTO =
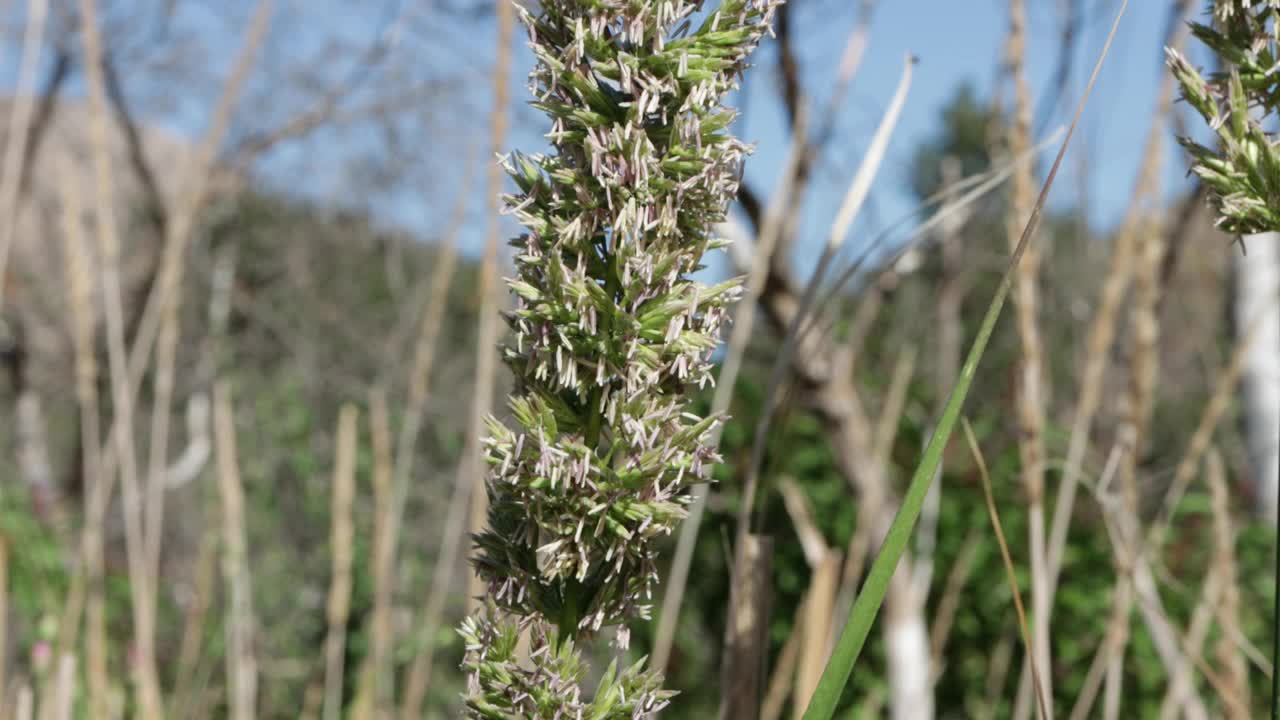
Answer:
(1243, 172)
(608, 333)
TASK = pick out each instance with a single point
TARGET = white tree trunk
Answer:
(1257, 281)
(906, 636)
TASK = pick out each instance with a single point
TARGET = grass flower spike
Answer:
(609, 331)
(1243, 174)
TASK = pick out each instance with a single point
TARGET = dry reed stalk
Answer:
(863, 320)
(378, 666)
(178, 233)
(4, 617)
(743, 670)
(1180, 681)
(424, 357)
(158, 442)
(419, 385)
(855, 47)
(783, 676)
(811, 540)
(15, 145)
(1103, 328)
(1235, 669)
(1139, 401)
(62, 700)
(1114, 636)
(428, 622)
(816, 630)
(464, 510)
(1134, 583)
(1123, 609)
(1011, 575)
(342, 542)
(1030, 399)
(57, 699)
(492, 296)
(194, 624)
(894, 405)
(1212, 414)
(952, 290)
(242, 671)
(25, 706)
(739, 335)
(998, 670)
(149, 701)
(88, 580)
(1102, 331)
(949, 603)
(194, 189)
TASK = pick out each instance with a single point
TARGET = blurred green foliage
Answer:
(326, 305)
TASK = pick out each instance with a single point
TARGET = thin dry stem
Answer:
(194, 190)
(1124, 257)
(748, 621)
(1010, 574)
(491, 297)
(379, 664)
(1210, 417)
(895, 401)
(424, 356)
(469, 490)
(782, 677)
(4, 615)
(855, 47)
(419, 678)
(341, 541)
(153, 511)
(178, 233)
(25, 707)
(815, 646)
(242, 670)
(1102, 335)
(90, 578)
(1235, 668)
(811, 540)
(1030, 387)
(1201, 619)
(62, 700)
(189, 650)
(1102, 330)
(1116, 623)
(1138, 406)
(15, 146)
(998, 669)
(949, 602)
(150, 705)
(419, 384)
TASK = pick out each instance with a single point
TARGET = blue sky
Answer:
(957, 41)
(962, 42)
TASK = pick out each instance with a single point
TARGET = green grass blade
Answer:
(822, 705)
